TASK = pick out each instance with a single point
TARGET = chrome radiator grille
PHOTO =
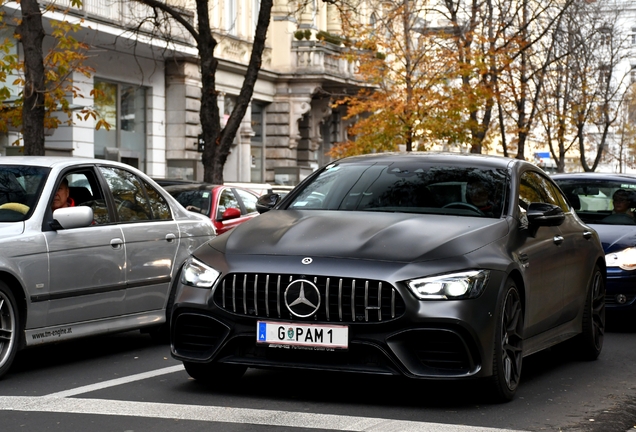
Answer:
(342, 299)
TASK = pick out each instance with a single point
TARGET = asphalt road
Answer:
(126, 382)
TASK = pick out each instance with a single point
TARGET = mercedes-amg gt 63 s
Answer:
(429, 266)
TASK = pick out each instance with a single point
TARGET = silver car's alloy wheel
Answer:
(8, 328)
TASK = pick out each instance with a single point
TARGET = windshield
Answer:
(20, 188)
(194, 200)
(601, 201)
(414, 187)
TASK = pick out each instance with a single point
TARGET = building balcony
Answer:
(322, 58)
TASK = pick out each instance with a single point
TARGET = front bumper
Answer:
(620, 290)
(429, 339)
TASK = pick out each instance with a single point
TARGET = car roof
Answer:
(599, 176)
(468, 159)
(191, 187)
(56, 161)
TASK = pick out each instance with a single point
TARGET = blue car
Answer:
(607, 203)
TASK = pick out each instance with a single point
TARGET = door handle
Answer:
(170, 237)
(558, 240)
(116, 243)
(587, 235)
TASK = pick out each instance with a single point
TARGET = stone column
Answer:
(334, 25)
(183, 96)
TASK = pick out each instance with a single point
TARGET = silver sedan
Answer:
(86, 247)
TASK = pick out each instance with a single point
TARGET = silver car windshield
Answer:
(20, 189)
(408, 188)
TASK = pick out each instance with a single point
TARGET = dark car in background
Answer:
(594, 196)
(429, 266)
(227, 206)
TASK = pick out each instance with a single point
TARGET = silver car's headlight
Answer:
(197, 274)
(625, 259)
(452, 286)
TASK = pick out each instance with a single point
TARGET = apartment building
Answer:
(154, 87)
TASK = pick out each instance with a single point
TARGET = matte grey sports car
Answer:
(86, 247)
(431, 266)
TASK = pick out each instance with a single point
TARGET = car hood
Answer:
(616, 237)
(398, 237)
(11, 229)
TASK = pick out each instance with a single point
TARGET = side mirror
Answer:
(543, 214)
(231, 213)
(267, 202)
(72, 217)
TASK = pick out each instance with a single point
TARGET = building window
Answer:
(257, 143)
(231, 10)
(123, 107)
(256, 8)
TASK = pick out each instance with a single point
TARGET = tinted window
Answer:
(198, 201)
(249, 200)
(158, 204)
(408, 187)
(534, 187)
(130, 198)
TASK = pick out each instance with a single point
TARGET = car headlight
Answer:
(625, 259)
(197, 274)
(452, 286)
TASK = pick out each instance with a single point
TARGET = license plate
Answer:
(307, 335)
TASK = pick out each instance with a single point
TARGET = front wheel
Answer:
(508, 349)
(215, 374)
(9, 328)
(590, 341)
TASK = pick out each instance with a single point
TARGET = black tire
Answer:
(215, 374)
(508, 349)
(590, 342)
(9, 328)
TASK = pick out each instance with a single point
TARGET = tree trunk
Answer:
(31, 35)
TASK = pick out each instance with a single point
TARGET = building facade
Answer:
(151, 86)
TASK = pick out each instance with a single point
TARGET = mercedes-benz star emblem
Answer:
(307, 260)
(302, 298)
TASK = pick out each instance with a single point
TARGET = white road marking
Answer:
(114, 382)
(61, 403)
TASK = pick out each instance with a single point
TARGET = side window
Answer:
(158, 204)
(84, 190)
(249, 200)
(535, 188)
(561, 200)
(130, 197)
(226, 200)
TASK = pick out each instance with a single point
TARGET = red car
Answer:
(227, 206)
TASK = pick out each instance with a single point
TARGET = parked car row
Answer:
(423, 265)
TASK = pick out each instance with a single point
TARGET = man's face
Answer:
(61, 197)
(621, 204)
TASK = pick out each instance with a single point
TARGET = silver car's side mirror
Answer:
(72, 217)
